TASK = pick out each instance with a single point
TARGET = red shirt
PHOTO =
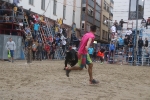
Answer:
(47, 47)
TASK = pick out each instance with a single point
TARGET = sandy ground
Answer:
(46, 80)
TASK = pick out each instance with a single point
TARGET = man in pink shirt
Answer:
(83, 56)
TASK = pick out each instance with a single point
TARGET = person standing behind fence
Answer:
(34, 48)
(63, 44)
(91, 51)
(52, 52)
(39, 51)
(111, 50)
(11, 46)
(126, 42)
(146, 45)
(47, 49)
(120, 43)
(140, 45)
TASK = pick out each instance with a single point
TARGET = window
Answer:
(111, 11)
(97, 16)
(106, 36)
(108, 8)
(54, 7)
(105, 5)
(103, 35)
(73, 17)
(98, 2)
(43, 4)
(107, 21)
(133, 9)
(103, 19)
(90, 11)
(31, 2)
(64, 12)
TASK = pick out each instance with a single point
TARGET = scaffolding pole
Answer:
(136, 33)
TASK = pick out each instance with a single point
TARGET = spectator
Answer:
(20, 11)
(28, 12)
(6, 18)
(34, 48)
(126, 42)
(52, 53)
(91, 51)
(57, 40)
(63, 44)
(64, 32)
(11, 47)
(148, 22)
(143, 23)
(100, 54)
(121, 23)
(113, 30)
(27, 30)
(146, 45)
(120, 42)
(39, 51)
(36, 28)
(111, 49)
(15, 10)
(140, 45)
(130, 47)
(116, 25)
(47, 49)
(128, 33)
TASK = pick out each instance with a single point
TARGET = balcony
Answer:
(83, 1)
(90, 19)
(91, 3)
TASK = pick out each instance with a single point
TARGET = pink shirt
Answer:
(84, 41)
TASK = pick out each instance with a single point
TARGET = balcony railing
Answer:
(10, 15)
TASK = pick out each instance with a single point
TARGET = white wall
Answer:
(59, 13)
(121, 11)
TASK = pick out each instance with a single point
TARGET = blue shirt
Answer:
(90, 50)
(112, 47)
(36, 27)
(120, 41)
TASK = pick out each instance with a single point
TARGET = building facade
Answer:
(68, 10)
(90, 15)
(107, 14)
(126, 10)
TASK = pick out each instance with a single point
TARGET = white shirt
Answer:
(10, 45)
(128, 32)
(74, 48)
(63, 42)
(113, 29)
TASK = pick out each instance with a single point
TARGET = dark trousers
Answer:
(39, 55)
(63, 47)
(33, 53)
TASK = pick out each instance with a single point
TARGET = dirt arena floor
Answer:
(46, 80)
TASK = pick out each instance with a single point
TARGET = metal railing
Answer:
(11, 15)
